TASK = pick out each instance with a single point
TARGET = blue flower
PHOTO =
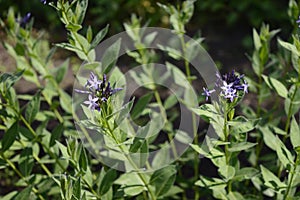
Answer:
(92, 102)
(99, 91)
(93, 82)
(24, 20)
(245, 86)
(298, 22)
(228, 92)
(230, 85)
(207, 92)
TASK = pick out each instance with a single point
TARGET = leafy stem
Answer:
(228, 116)
(195, 133)
(53, 155)
(286, 195)
(132, 163)
(11, 164)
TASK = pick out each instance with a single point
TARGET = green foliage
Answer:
(254, 153)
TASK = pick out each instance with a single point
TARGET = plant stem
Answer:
(132, 163)
(226, 135)
(195, 131)
(11, 164)
(287, 125)
(53, 155)
(297, 162)
(258, 111)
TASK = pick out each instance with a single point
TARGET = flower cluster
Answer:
(99, 91)
(229, 85)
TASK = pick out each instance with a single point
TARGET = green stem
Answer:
(226, 135)
(258, 111)
(11, 164)
(162, 110)
(287, 126)
(53, 155)
(194, 124)
(132, 163)
(286, 195)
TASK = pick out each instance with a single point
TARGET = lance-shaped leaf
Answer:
(33, 108)
(276, 85)
(272, 181)
(295, 133)
(163, 179)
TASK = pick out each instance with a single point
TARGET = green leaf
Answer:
(63, 149)
(241, 146)
(243, 126)
(81, 8)
(295, 133)
(89, 34)
(10, 79)
(256, 39)
(134, 190)
(246, 173)
(149, 38)
(211, 183)
(272, 181)
(140, 152)
(50, 55)
(50, 90)
(206, 110)
(24, 194)
(9, 196)
(61, 71)
(111, 56)
(107, 181)
(100, 35)
(73, 27)
(123, 112)
(11, 20)
(141, 105)
(163, 179)
(26, 133)
(174, 53)
(256, 63)
(173, 191)
(274, 143)
(289, 47)
(56, 134)
(33, 108)
(187, 10)
(65, 101)
(183, 137)
(269, 137)
(132, 179)
(235, 196)
(83, 160)
(10, 136)
(161, 158)
(276, 85)
(77, 188)
(26, 162)
(170, 101)
(227, 172)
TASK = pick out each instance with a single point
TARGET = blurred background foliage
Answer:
(226, 24)
(228, 13)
